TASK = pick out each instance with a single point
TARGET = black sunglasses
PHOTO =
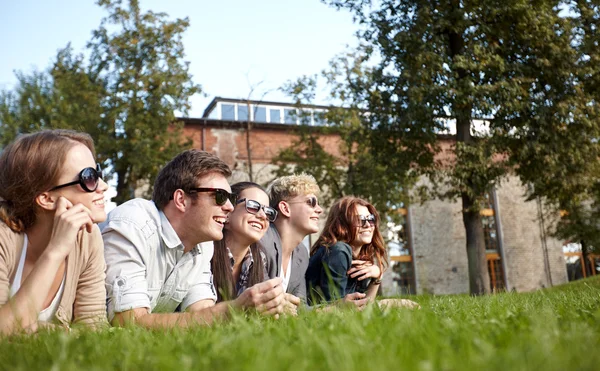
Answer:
(311, 201)
(88, 179)
(366, 220)
(221, 195)
(253, 207)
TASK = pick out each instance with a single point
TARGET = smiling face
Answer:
(78, 158)
(364, 234)
(205, 218)
(303, 216)
(244, 226)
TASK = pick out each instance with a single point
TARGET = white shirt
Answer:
(47, 314)
(286, 276)
(145, 263)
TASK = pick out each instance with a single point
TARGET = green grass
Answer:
(553, 329)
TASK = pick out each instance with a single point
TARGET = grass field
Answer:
(555, 329)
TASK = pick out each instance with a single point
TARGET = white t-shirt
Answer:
(286, 277)
(47, 314)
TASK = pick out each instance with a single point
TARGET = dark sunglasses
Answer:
(221, 195)
(88, 179)
(253, 207)
(366, 220)
(311, 201)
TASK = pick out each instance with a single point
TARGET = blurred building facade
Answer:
(427, 252)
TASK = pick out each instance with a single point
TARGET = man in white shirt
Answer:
(158, 252)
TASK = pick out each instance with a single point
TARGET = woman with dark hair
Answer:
(51, 252)
(350, 254)
(237, 262)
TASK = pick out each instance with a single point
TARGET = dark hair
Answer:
(183, 172)
(30, 165)
(341, 226)
(221, 266)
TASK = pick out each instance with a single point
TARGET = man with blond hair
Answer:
(295, 198)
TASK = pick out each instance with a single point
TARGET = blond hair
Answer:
(287, 187)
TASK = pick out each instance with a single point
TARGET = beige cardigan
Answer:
(84, 295)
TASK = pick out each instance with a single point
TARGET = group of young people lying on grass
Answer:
(198, 249)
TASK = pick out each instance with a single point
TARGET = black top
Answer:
(326, 277)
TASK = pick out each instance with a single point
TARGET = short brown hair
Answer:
(183, 171)
(30, 165)
(287, 187)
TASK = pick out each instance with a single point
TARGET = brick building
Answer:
(427, 252)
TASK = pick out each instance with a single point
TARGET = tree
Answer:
(125, 96)
(66, 95)
(515, 63)
(146, 82)
(350, 168)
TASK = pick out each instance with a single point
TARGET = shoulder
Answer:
(89, 244)
(301, 251)
(340, 248)
(11, 244)
(269, 240)
(8, 237)
(137, 212)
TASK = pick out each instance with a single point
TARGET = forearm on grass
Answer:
(22, 310)
(202, 317)
(372, 290)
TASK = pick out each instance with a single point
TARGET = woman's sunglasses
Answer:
(253, 207)
(221, 195)
(88, 179)
(366, 221)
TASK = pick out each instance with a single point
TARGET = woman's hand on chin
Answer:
(69, 219)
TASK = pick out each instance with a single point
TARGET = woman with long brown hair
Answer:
(237, 262)
(350, 254)
(51, 252)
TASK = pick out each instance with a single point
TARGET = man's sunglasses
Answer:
(88, 179)
(311, 201)
(253, 207)
(221, 195)
(366, 221)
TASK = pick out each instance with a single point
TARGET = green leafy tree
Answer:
(139, 57)
(516, 63)
(126, 95)
(350, 168)
(66, 95)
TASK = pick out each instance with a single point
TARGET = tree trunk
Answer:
(123, 191)
(584, 259)
(249, 145)
(249, 151)
(478, 275)
(479, 281)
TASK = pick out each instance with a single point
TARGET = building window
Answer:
(242, 110)
(275, 116)
(260, 114)
(290, 116)
(319, 118)
(490, 233)
(227, 111)
(401, 256)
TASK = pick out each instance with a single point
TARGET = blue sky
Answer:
(231, 45)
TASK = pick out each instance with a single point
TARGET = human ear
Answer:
(180, 201)
(284, 208)
(46, 201)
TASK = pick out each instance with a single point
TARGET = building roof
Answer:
(212, 105)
